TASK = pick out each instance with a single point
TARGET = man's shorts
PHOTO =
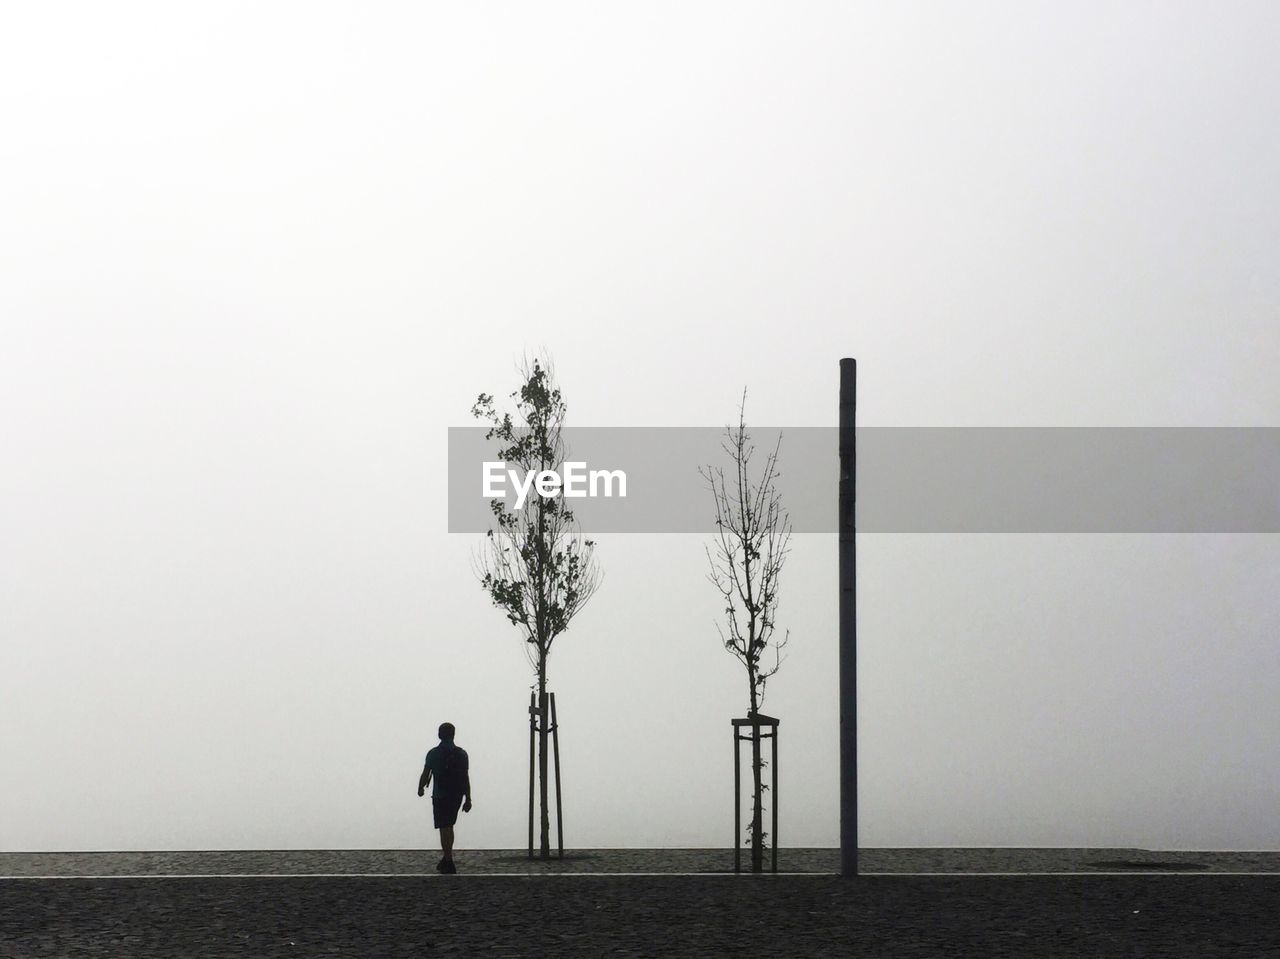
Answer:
(444, 810)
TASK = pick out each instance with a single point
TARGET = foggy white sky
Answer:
(254, 259)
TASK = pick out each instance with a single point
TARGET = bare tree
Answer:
(753, 534)
(535, 565)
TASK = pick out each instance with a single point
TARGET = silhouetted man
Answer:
(448, 766)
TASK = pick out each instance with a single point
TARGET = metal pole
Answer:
(848, 625)
(555, 751)
(737, 803)
(774, 857)
(533, 713)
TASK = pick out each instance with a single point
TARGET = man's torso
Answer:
(448, 765)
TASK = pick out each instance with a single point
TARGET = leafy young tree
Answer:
(753, 534)
(535, 565)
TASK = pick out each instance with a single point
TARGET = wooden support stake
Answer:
(555, 751)
(774, 802)
(737, 803)
(533, 713)
(544, 727)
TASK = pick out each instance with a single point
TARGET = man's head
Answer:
(446, 732)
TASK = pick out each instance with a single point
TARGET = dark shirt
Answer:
(449, 767)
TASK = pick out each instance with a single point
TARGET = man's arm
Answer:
(466, 786)
(424, 780)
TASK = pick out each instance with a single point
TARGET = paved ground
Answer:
(661, 916)
(402, 862)
(674, 903)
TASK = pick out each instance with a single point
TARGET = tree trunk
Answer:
(757, 839)
(544, 647)
(545, 832)
(757, 818)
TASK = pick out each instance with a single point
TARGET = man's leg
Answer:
(446, 842)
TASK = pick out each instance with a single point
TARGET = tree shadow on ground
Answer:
(568, 857)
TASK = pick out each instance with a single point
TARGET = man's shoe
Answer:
(441, 866)
(448, 868)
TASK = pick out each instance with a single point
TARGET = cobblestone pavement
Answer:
(667, 916)
(399, 862)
